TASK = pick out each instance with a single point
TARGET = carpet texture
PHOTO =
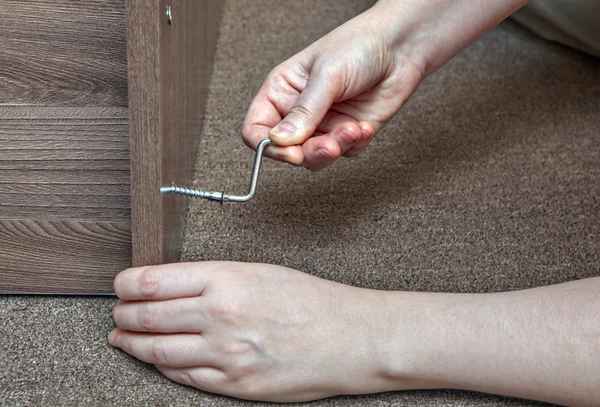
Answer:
(488, 180)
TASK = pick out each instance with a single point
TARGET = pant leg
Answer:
(575, 23)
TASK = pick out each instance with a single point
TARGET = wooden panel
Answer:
(65, 217)
(169, 72)
(64, 163)
(58, 52)
(41, 256)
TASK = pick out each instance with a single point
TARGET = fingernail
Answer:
(324, 154)
(283, 130)
(114, 337)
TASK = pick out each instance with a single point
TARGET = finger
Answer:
(292, 155)
(255, 132)
(318, 150)
(367, 134)
(203, 378)
(308, 111)
(178, 350)
(346, 135)
(273, 101)
(333, 119)
(170, 316)
(164, 282)
(319, 155)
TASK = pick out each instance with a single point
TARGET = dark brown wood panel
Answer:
(41, 256)
(169, 72)
(58, 52)
(64, 163)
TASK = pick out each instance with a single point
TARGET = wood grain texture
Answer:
(42, 256)
(169, 73)
(65, 217)
(64, 163)
(67, 53)
(144, 111)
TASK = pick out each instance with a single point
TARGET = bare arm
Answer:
(541, 343)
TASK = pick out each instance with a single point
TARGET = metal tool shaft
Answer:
(220, 196)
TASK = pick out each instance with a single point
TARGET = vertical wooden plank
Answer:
(144, 131)
(169, 72)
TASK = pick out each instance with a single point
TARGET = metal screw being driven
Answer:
(220, 196)
(169, 15)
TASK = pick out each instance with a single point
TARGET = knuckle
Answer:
(204, 379)
(233, 348)
(247, 136)
(147, 318)
(116, 313)
(158, 353)
(186, 378)
(149, 282)
(247, 387)
(349, 136)
(117, 284)
(277, 84)
(301, 109)
(274, 74)
(125, 343)
(227, 312)
(211, 382)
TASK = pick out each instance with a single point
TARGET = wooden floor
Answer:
(65, 211)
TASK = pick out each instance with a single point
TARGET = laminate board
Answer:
(67, 53)
(64, 201)
(170, 66)
(75, 177)
(64, 163)
(69, 164)
(83, 211)
(44, 256)
(144, 112)
(65, 189)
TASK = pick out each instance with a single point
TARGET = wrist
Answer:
(430, 33)
(428, 338)
(408, 338)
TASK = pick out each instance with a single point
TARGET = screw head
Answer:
(169, 15)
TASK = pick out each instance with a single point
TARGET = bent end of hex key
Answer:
(221, 196)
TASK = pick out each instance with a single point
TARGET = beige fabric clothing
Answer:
(574, 23)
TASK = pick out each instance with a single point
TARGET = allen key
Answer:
(221, 196)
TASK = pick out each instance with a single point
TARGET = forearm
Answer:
(541, 343)
(432, 32)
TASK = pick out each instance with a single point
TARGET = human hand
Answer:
(253, 331)
(334, 96)
(330, 99)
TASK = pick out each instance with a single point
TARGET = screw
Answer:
(169, 15)
(220, 196)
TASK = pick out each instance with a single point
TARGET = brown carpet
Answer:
(488, 180)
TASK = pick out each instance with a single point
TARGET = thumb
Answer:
(307, 113)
